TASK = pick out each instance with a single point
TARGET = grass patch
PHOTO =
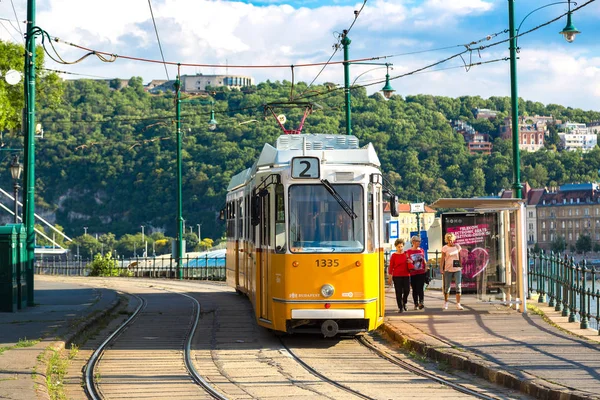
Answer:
(21, 344)
(56, 371)
(26, 343)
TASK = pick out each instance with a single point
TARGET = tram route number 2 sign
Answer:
(305, 168)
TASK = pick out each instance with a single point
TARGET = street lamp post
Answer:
(85, 228)
(387, 89)
(15, 171)
(212, 125)
(29, 149)
(569, 33)
(199, 235)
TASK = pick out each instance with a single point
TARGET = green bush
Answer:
(106, 266)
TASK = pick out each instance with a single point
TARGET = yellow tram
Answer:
(305, 234)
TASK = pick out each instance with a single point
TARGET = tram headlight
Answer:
(327, 290)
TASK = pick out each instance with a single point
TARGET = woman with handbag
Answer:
(452, 269)
(418, 273)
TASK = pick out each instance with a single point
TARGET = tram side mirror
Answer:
(394, 205)
(222, 214)
(255, 210)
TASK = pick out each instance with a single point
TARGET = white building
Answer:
(573, 127)
(199, 82)
(578, 141)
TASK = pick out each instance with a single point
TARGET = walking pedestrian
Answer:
(398, 271)
(417, 274)
(452, 269)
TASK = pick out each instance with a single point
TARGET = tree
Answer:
(559, 244)
(583, 244)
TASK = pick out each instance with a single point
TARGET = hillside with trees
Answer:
(107, 160)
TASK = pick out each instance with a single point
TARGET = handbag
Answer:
(456, 264)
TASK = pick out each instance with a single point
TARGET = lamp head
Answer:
(16, 168)
(212, 124)
(387, 89)
(569, 31)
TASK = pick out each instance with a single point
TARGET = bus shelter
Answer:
(491, 233)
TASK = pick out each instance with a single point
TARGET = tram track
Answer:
(214, 342)
(420, 371)
(105, 369)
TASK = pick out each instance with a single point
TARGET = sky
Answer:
(410, 34)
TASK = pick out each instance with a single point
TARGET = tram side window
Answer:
(370, 221)
(280, 242)
(240, 218)
(230, 220)
(247, 219)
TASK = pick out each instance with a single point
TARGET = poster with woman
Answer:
(477, 234)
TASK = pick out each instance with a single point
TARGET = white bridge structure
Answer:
(56, 249)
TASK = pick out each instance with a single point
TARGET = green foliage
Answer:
(559, 244)
(583, 244)
(106, 266)
(108, 157)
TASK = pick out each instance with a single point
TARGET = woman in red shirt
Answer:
(400, 265)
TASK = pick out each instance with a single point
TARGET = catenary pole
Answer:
(29, 150)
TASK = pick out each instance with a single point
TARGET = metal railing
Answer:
(566, 285)
(199, 268)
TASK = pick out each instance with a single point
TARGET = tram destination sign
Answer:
(305, 168)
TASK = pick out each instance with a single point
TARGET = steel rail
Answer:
(419, 371)
(323, 377)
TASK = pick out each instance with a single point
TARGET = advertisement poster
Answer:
(477, 235)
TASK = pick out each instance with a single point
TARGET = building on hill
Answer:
(199, 82)
(531, 135)
(476, 142)
(578, 141)
(484, 113)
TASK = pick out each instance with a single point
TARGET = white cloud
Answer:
(237, 33)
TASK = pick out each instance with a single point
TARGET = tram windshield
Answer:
(319, 224)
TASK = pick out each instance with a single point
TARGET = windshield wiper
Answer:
(339, 199)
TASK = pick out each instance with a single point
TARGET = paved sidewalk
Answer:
(62, 310)
(503, 345)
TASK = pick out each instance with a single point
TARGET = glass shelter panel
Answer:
(488, 255)
(320, 224)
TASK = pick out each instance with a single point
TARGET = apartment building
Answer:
(532, 132)
(569, 211)
(199, 82)
(533, 198)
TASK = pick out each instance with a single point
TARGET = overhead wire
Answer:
(17, 19)
(329, 90)
(336, 46)
(158, 39)
(6, 29)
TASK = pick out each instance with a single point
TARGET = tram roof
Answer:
(239, 179)
(325, 146)
(480, 204)
(319, 145)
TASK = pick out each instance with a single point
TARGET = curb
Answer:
(492, 372)
(41, 386)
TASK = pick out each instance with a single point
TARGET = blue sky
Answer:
(280, 32)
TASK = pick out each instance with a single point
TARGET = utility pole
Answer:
(514, 98)
(29, 150)
(345, 43)
(179, 243)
